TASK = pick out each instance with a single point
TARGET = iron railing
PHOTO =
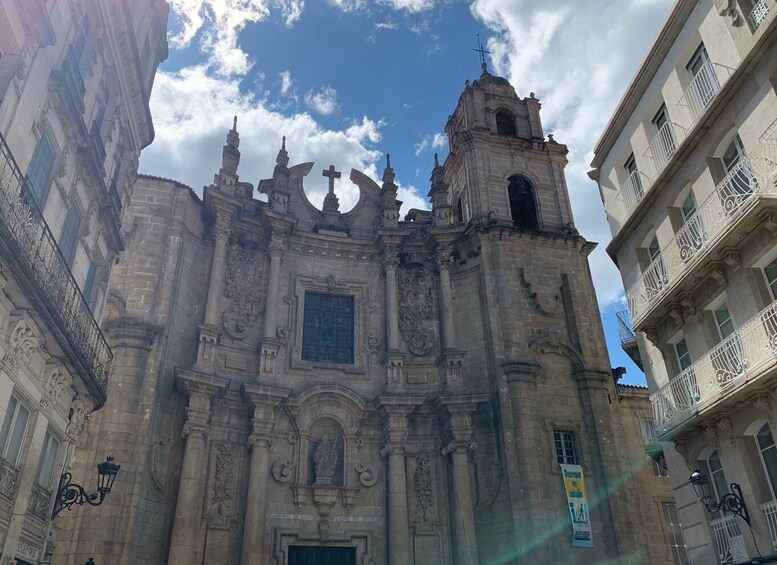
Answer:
(749, 350)
(733, 196)
(700, 92)
(770, 510)
(625, 331)
(649, 436)
(728, 539)
(28, 242)
(39, 504)
(661, 148)
(634, 189)
(9, 477)
(767, 147)
(758, 13)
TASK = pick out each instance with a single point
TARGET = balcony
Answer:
(661, 148)
(743, 356)
(735, 195)
(770, 511)
(39, 503)
(758, 13)
(729, 540)
(767, 147)
(633, 189)
(649, 436)
(628, 337)
(71, 90)
(30, 249)
(700, 93)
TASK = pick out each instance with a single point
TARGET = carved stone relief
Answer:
(282, 470)
(56, 384)
(243, 286)
(24, 339)
(368, 476)
(224, 477)
(79, 417)
(422, 480)
(416, 308)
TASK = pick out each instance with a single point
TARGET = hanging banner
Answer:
(574, 485)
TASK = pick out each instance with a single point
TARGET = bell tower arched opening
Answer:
(523, 208)
(505, 124)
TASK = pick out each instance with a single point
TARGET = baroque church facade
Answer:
(294, 385)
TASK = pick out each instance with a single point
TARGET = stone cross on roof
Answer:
(332, 174)
(331, 203)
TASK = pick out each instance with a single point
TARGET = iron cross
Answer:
(480, 50)
(332, 174)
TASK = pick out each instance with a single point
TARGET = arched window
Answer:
(505, 124)
(522, 206)
(768, 451)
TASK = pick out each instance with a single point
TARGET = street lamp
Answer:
(69, 493)
(731, 501)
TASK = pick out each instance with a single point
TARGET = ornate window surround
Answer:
(330, 285)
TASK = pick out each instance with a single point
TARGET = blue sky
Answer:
(348, 81)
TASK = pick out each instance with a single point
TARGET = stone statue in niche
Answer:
(326, 453)
(325, 460)
(416, 308)
(243, 286)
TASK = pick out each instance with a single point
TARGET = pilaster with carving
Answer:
(265, 401)
(269, 347)
(202, 391)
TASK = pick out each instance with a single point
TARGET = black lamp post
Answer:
(729, 502)
(69, 493)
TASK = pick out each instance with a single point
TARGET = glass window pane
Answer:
(16, 438)
(689, 207)
(39, 169)
(10, 414)
(683, 357)
(327, 334)
(771, 277)
(47, 460)
(724, 321)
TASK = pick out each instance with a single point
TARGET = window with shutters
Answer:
(67, 239)
(38, 176)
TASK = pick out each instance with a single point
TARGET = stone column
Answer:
(264, 401)
(275, 249)
(458, 410)
(216, 284)
(390, 262)
(446, 298)
(395, 411)
(202, 390)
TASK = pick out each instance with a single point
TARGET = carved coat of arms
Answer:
(244, 287)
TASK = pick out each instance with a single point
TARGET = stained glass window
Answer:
(327, 333)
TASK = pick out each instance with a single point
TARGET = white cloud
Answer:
(439, 141)
(421, 146)
(286, 82)
(177, 102)
(324, 101)
(578, 57)
(411, 6)
(218, 24)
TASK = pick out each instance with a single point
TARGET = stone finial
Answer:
(283, 157)
(436, 161)
(234, 123)
(388, 172)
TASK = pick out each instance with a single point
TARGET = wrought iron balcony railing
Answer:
(625, 331)
(729, 540)
(770, 511)
(39, 503)
(649, 436)
(732, 197)
(700, 92)
(758, 13)
(750, 350)
(767, 147)
(633, 189)
(661, 148)
(33, 253)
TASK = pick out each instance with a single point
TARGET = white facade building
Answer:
(686, 171)
(75, 78)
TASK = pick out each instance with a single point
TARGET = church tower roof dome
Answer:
(487, 79)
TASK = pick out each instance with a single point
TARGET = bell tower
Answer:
(501, 168)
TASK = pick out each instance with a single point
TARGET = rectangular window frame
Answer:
(565, 446)
(44, 474)
(40, 170)
(68, 237)
(313, 347)
(6, 436)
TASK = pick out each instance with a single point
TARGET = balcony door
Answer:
(740, 181)
(691, 236)
(664, 144)
(655, 276)
(727, 357)
(704, 82)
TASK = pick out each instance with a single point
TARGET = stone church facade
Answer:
(294, 385)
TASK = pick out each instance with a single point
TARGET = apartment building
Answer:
(686, 171)
(75, 78)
